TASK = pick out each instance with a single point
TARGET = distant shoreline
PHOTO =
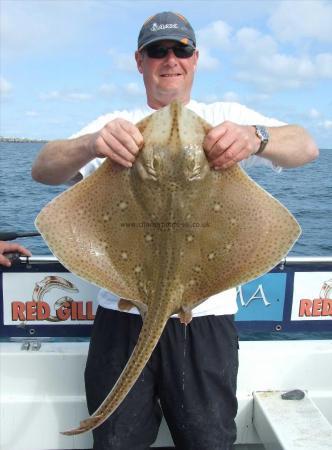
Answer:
(15, 139)
(29, 140)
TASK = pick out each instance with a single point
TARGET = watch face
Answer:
(262, 133)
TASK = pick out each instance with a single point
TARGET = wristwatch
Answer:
(263, 134)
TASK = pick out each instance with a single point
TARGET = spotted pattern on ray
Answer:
(165, 234)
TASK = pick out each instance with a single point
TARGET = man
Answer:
(10, 247)
(193, 369)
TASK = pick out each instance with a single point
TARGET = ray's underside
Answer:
(167, 233)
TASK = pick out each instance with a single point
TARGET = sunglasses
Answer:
(159, 52)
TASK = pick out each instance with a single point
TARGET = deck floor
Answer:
(236, 447)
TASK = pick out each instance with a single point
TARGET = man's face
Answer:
(168, 78)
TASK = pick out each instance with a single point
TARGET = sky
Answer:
(66, 62)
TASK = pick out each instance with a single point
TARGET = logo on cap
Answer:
(156, 27)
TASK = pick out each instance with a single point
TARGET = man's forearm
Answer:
(290, 146)
(229, 143)
(60, 161)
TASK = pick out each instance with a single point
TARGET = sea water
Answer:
(306, 191)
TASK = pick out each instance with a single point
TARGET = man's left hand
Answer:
(229, 143)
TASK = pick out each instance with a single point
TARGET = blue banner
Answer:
(262, 299)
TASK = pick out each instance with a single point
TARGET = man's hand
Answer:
(229, 143)
(119, 140)
(8, 247)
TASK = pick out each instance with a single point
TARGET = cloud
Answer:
(65, 96)
(34, 27)
(53, 95)
(133, 89)
(123, 61)
(206, 60)
(216, 34)
(260, 61)
(231, 96)
(324, 61)
(326, 124)
(266, 62)
(79, 96)
(297, 20)
(31, 113)
(253, 42)
(313, 113)
(122, 95)
(273, 72)
(278, 71)
(39, 28)
(108, 89)
(5, 86)
(125, 91)
(208, 97)
(228, 96)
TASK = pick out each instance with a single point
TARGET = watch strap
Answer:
(263, 135)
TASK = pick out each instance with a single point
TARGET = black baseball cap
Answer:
(166, 25)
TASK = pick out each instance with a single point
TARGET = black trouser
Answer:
(192, 372)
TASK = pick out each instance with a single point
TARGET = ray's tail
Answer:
(153, 325)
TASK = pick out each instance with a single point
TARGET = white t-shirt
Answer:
(214, 113)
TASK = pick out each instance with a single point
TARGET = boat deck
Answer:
(42, 389)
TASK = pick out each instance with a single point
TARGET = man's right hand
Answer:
(11, 247)
(118, 140)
